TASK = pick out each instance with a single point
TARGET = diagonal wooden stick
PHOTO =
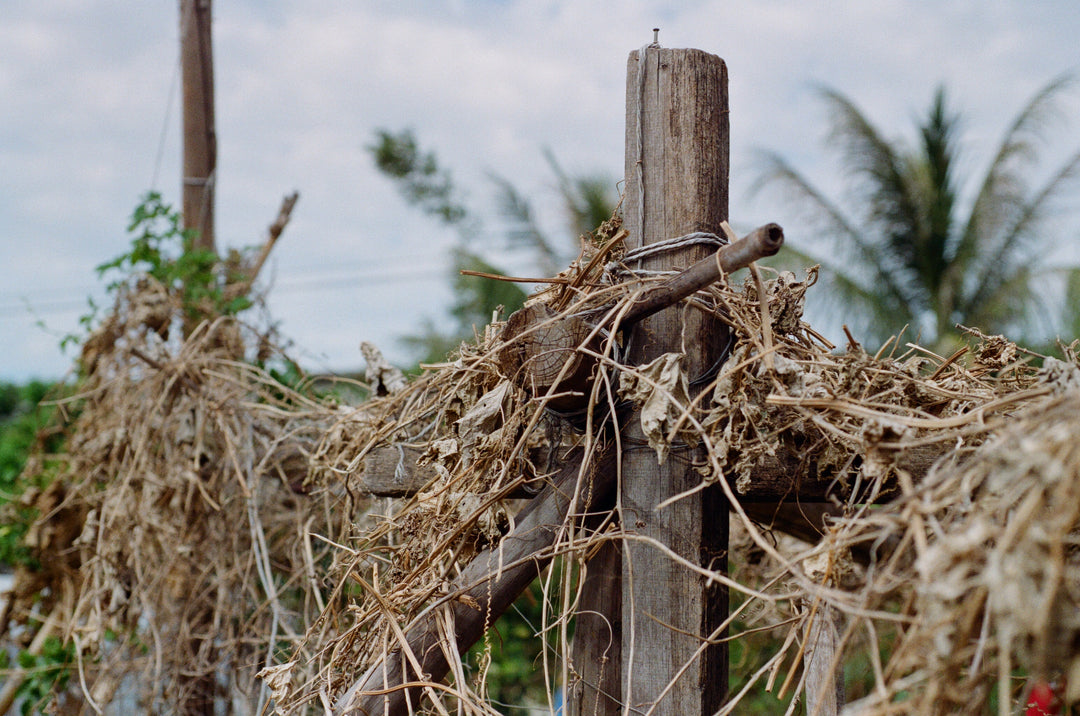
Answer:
(272, 235)
(484, 590)
(761, 242)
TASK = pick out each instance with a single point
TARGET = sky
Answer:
(89, 122)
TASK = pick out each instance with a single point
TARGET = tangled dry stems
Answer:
(178, 551)
(871, 422)
(223, 525)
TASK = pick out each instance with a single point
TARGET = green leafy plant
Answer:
(24, 427)
(161, 248)
(47, 674)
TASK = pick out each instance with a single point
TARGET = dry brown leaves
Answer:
(874, 423)
(184, 530)
(211, 500)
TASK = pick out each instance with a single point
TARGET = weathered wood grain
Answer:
(676, 184)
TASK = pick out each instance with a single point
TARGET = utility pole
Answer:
(200, 140)
(199, 694)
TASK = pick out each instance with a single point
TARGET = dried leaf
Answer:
(660, 390)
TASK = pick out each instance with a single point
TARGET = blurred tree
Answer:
(907, 252)
(588, 201)
(418, 175)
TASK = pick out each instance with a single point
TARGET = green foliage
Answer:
(479, 297)
(162, 249)
(588, 200)
(512, 652)
(1071, 316)
(419, 177)
(9, 399)
(476, 300)
(23, 428)
(910, 256)
(47, 674)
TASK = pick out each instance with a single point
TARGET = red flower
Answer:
(1042, 701)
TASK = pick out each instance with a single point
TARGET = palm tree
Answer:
(907, 251)
(587, 200)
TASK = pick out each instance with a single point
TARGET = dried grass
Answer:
(178, 554)
(200, 552)
(868, 421)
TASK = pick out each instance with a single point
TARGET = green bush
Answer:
(24, 428)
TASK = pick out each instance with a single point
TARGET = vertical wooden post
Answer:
(597, 655)
(200, 140)
(676, 183)
(824, 688)
(198, 694)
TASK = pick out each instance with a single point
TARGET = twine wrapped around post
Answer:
(545, 359)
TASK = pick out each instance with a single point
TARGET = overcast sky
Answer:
(90, 121)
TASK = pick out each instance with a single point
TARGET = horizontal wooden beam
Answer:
(786, 477)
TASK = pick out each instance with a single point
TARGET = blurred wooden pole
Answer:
(824, 688)
(200, 139)
(199, 694)
(676, 182)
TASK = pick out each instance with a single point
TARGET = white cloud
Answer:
(301, 86)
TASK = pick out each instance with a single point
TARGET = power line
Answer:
(293, 284)
(165, 124)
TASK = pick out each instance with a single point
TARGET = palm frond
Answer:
(1001, 196)
(524, 229)
(831, 221)
(595, 204)
(1013, 308)
(1014, 249)
(937, 191)
(878, 172)
(589, 200)
(1070, 317)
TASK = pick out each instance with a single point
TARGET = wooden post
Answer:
(200, 140)
(676, 183)
(597, 657)
(824, 687)
(199, 694)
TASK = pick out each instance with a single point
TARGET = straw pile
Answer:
(870, 424)
(175, 537)
(211, 500)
